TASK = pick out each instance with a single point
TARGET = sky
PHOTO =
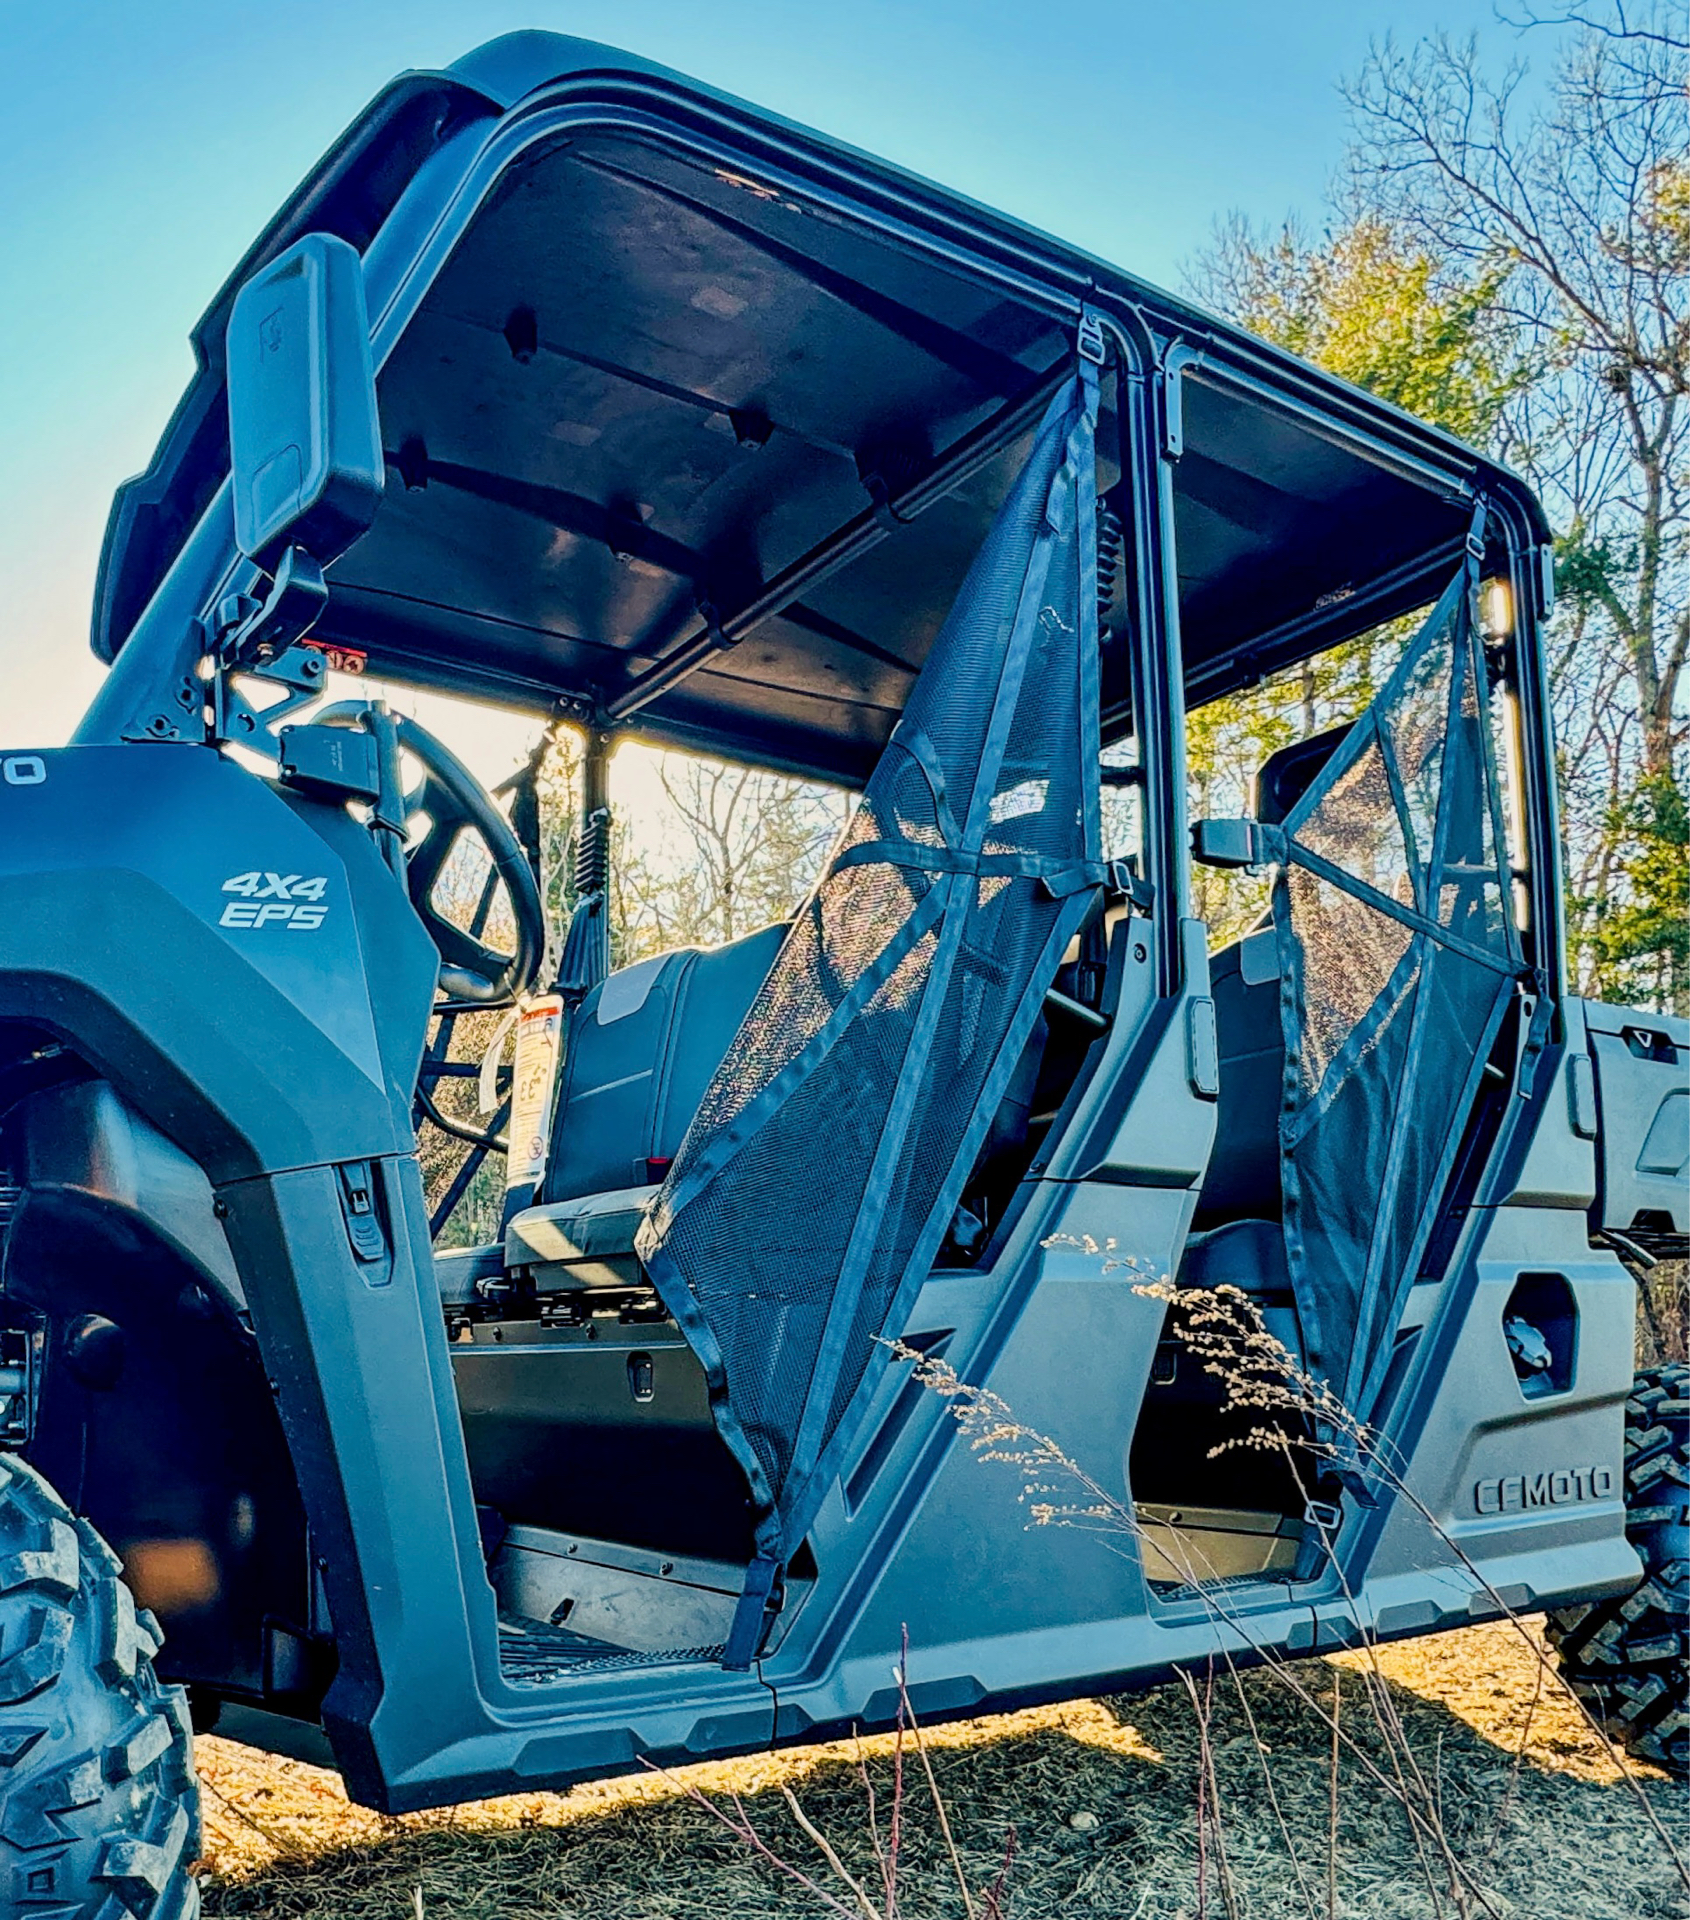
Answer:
(143, 146)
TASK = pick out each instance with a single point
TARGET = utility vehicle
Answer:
(567, 385)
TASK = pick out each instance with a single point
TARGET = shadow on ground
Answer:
(1101, 1797)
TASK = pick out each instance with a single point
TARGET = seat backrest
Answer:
(1287, 775)
(1243, 1181)
(640, 1050)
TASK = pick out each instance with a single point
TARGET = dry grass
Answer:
(1559, 1837)
(1458, 1779)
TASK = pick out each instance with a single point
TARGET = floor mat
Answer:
(532, 1654)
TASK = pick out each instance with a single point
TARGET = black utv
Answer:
(569, 386)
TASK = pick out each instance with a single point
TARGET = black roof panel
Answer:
(674, 348)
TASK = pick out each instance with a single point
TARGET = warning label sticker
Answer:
(539, 1049)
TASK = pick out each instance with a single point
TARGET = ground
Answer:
(1102, 1797)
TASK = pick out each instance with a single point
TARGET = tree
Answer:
(1368, 305)
(727, 849)
(1578, 210)
(1642, 937)
(750, 847)
(1516, 268)
(1580, 207)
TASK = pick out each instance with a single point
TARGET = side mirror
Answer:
(1228, 843)
(304, 433)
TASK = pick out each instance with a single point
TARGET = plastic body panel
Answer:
(565, 1431)
(268, 1064)
(1642, 1066)
(1531, 1491)
(1519, 1498)
(82, 1147)
(917, 1531)
(114, 870)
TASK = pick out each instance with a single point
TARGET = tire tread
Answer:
(99, 1803)
(1628, 1658)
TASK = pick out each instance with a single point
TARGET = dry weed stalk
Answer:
(1260, 1377)
(1209, 1801)
(1332, 1800)
(281, 1845)
(991, 1905)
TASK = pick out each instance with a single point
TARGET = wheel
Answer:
(1629, 1659)
(99, 1806)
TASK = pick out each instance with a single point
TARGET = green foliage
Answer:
(1368, 306)
(1588, 567)
(1228, 739)
(1639, 930)
(1372, 308)
(1573, 196)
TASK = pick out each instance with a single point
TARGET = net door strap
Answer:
(828, 1156)
(1399, 954)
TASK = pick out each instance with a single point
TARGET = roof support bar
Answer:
(1416, 583)
(973, 451)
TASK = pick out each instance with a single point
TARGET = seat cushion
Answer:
(458, 1271)
(1248, 1255)
(584, 1242)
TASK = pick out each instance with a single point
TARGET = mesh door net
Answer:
(827, 1159)
(1398, 956)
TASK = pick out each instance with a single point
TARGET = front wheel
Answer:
(99, 1805)
(1629, 1659)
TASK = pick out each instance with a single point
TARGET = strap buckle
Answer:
(1089, 342)
(1125, 883)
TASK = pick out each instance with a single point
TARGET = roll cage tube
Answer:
(1146, 380)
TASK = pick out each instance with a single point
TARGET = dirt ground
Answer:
(1101, 1795)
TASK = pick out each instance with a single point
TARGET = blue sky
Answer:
(143, 145)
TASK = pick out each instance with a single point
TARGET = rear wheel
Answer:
(1629, 1659)
(99, 1806)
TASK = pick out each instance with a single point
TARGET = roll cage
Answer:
(1268, 510)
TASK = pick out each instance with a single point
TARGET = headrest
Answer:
(1288, 774)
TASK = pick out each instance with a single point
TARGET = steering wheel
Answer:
(473, 975)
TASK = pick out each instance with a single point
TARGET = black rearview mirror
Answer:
(1228, 843)
(304, 433)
